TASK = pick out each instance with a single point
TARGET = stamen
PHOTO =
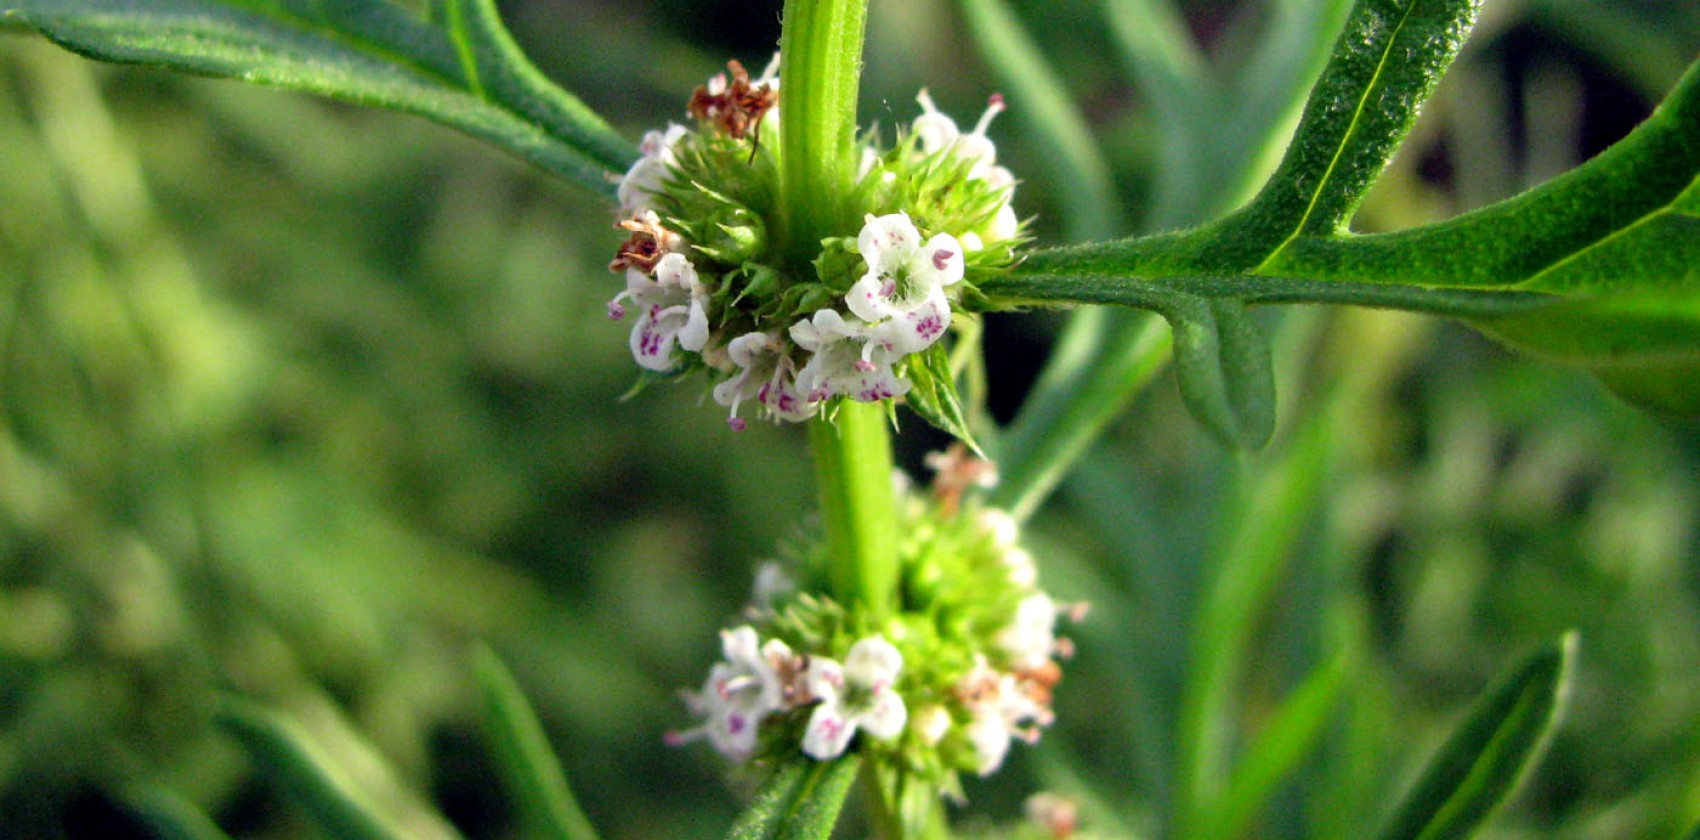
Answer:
(994, 106)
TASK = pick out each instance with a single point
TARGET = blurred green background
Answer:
(300, 401)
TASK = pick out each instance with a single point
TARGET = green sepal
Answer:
(933, 394)
(840, 264)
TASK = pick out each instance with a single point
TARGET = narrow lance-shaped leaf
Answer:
(370, 52)
(1599, 267)
(169, 816)
(527, 763)
(289, 756)
(1488, 754)
(1385, 63)
(800, 801)
(1285, 741)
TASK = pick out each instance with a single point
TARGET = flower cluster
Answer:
(712, 293)
(965, 668)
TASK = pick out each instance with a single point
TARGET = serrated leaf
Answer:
(1487, 754)
(371, 52)
(800, 801)
(527, 763)
(933, 395)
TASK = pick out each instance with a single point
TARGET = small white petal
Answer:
(1000, 526)
(940, 262)
(694, 334)
(1022, 571)
(1004, 225)
(873, 661)
(989, 734)
(886, 717)
(888, 243)
(740, 645)
(828, 733)
(870, 299)
(825, 679)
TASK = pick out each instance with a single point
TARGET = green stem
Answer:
(821, 54)
(821, 50)
(853, 466)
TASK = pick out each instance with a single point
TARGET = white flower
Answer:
(931, 723)
(847, 358)
(739, 692)
(673, 305)
(937, 132)
(856, 695)
(999, 709)
(1000, 526)
(641, 183)
(765, 375)
(902, 294)
(989, 733)
(1030, 638)
(1023, 572)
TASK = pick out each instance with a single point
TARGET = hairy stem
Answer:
(821, 54)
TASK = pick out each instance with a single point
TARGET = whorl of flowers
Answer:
(711, 294)
(965, 668)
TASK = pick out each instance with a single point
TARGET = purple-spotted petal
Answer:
(940, 261)
(871, 298)
(828, 733)
(888, 243)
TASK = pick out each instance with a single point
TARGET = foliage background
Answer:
(300, 401)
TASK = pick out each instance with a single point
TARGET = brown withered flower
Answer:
(648, 244)
(736, 107)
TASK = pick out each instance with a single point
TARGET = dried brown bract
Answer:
(735, 107)
(648, 243)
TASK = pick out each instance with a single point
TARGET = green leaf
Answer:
(527, 763)
(1102, 361)
(1487, 755)
(1274, 501)
(1599, 267)
(1286, 739)
(169, 816)
(469, 76)
(1222, 365)
(933, 395)
(800, 801)
(290, 756)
